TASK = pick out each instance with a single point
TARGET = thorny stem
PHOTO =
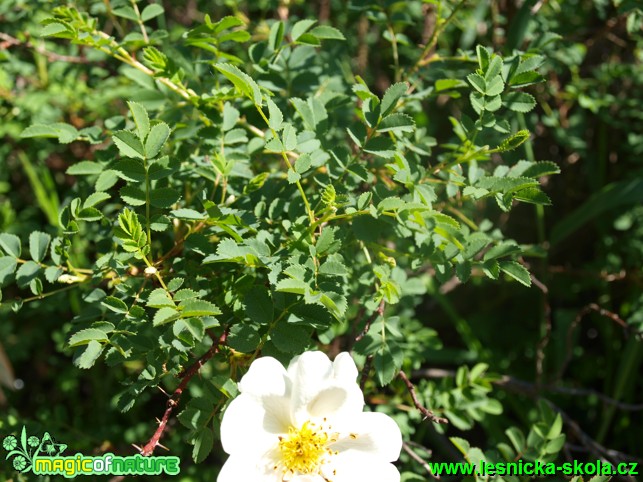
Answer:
(173, 401)
(423, 410)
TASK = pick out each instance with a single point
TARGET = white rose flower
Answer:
(306, 424)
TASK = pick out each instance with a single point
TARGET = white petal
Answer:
(307, 478)
(336, 402)
(356, 467)
(309, 373)
(266, 376)
(344, 368)
(239, 468)
(252, 425)
(370, 433)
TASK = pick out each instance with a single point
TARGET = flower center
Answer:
(302, 450)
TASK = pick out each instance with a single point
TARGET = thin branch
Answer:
(423, 410)
(593, 307)
(173, 401)
(419, 460)
(532, 389)
(52, 56)
(377, 313)
(365, 371)
(593, 446)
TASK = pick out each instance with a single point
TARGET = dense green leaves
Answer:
(255, 188)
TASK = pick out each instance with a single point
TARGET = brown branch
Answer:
(365, 371)
(173, 401)
(423, 410)
(419, 460)
(377, 313)
(593, 307)
(532, 389)
(593, 446)
(8, 40)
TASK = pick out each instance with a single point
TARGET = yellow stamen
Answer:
(303, 450)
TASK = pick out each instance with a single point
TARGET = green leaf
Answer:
(155, 140)
(84, 168)
(392, 95)
(542, 168)
(502, 250)
(126, 12)
(397, 123)
(524, 79)
(326, 32)
(276, 35)
(38, 244)
(86, 357)
(532, 195)
(289, 136)
(448, 84)
(133, 195)
(478, 82)
(141, 119)
(293, 176)
(164, 197)
(185, 294)
(303, 163)
(151, 11)
(258, 305)
(114, 304)
(188, 214)
(276, 118)
(242, 82)
(495, 86)
(159, 298)
(198, 308)
(516, 271)
(128, 144)
(290, 338)
(380, 146)
(106, 180)
(326, 240)
(64, 132)
(301, 27)
(175, 284)
(95, 198)
(8, 265)
(52, 29)
(388, 362)
(289, 285)
(130, 170)
(10, 244)
(364, 200)
(27, 273)
(230, 117)
(514, 141)
(203, 443)
(519, 101)
(165, 315)
(494, 68)
(83, 337)
(333, 267)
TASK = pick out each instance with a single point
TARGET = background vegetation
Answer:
(511, 367)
